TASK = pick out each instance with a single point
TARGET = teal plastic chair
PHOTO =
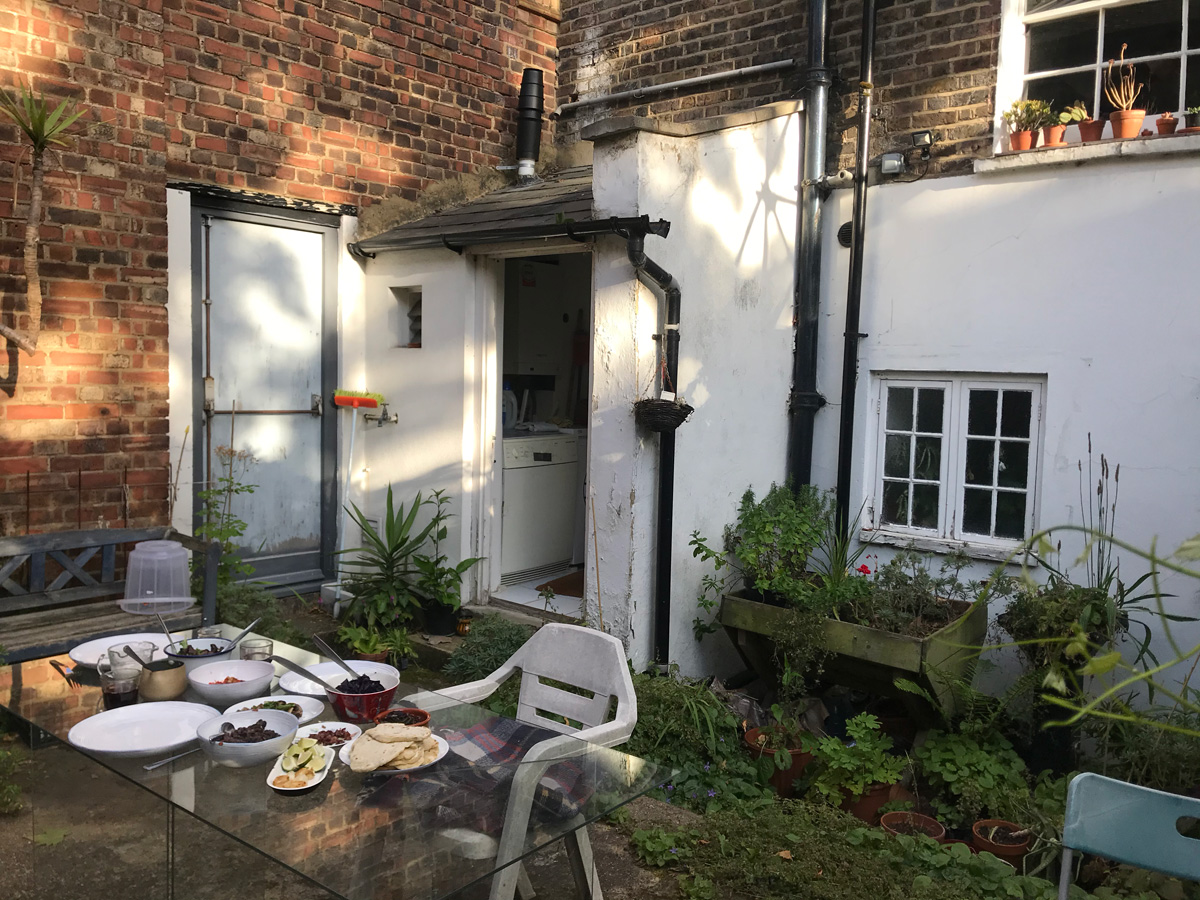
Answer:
(1130, 824)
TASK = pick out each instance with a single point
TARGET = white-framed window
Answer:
(957, 457)
(1057, 50)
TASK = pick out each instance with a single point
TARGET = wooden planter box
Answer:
(866, 658)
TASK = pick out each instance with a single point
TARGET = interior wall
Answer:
(1031, 272)
(730, 196)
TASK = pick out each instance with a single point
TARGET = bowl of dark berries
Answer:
(244, 739)
(403, 715)
(359, 700)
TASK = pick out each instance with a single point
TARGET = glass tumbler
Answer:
(257, 648)
(119, 683)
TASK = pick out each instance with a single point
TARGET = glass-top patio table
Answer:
(364, 837)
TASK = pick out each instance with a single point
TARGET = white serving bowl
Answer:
(255, 680)
(239, 756)
(194, 662)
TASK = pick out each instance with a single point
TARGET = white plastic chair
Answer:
(583, 658)
(1128, 823)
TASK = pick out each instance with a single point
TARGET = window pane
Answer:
(1010, 515)
(1160, 91)
(980, 460)
(900, 409)
(895, 503)
(1193, 26)
(928, 462)
(1032, 6)
(1191, 94)
(1014, 464)
(977, 511)
(929, 405)
(896, 456)
(925, 506)
(1148, 28)
(1061, 90)
(1063, 43)
(1014, 420)
(981, 412)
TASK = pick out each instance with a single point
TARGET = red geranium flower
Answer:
(864, 569)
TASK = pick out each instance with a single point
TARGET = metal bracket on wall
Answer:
(382, 417)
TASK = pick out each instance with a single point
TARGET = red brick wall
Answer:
(341, 101)
(934, 66)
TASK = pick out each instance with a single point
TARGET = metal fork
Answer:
(68, 674)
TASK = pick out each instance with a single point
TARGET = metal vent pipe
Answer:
(529, 123)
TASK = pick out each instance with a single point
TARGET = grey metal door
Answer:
(265, 354)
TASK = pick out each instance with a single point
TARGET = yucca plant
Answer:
(44, 127)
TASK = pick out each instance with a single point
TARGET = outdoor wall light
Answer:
(891, 164)
(923, 140)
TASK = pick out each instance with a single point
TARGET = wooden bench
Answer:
(58, 589)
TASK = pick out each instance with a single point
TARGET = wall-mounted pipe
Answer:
(653, 276)
(529, 123)
(639, 93)
(806, 301)
(854, 292)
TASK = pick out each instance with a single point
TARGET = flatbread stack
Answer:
(392, 746)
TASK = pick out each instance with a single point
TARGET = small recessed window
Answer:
(404, 319)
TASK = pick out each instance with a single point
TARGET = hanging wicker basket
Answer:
(661, 415)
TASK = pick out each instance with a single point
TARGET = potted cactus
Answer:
(1024, 119)
(1167, 123)
(1077, 114)
(1123, 93)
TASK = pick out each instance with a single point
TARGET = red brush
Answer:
(357, 399)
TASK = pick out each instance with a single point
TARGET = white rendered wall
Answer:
(1051, 271)
(730, 196)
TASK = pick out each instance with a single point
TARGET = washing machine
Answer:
(540, 497)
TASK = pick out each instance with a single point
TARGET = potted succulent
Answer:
(1024, 119)
(1122, 94)
(1054, 130)
(858, 776)
(1191, 118)
(1167, 123)
(1077, 113)
(365, 643)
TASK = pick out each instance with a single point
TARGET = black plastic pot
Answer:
(1191, 120)
(441, 620)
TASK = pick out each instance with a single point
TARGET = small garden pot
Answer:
(1166, 126)
(912, 823)
(1091, 130)
(1126, 123)
(381, 656)
(1191, 120)
(867, 806)
(996, 836)
(1020, 140)
(1052, 136)
(781, 779)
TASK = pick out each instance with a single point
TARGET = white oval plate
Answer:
(291, 683)
(144, 729)
(309, 730)
(443, 749)
(318, 774)
(312, 708)
(88, 653)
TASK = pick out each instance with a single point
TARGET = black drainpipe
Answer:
(653, 275)
(806, 301)
(854, 293)
(529, 124)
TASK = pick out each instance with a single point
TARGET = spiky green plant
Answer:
(43, 127)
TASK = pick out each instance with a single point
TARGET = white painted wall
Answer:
(446, 432)
(730, 196)
(1057, 271)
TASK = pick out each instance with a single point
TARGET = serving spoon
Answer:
(321, 643)
(300, 670)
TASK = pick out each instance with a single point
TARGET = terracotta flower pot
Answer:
(379, 657)
(1091, 130)
(781, 779)
(1166, 126)
(906, 822)
(1020, 140)
(867, 806)
(1011, 850)
(1126, 123)
(1052, 136)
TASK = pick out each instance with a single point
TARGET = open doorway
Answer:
(545, 366)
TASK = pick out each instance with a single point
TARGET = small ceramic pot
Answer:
(781, 779)
(905, 822)
(867, 806)
(1052, 136)
(985, 841)
(1166, 126)
(1126, 123)
(1091, 130)
(1020, 140)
